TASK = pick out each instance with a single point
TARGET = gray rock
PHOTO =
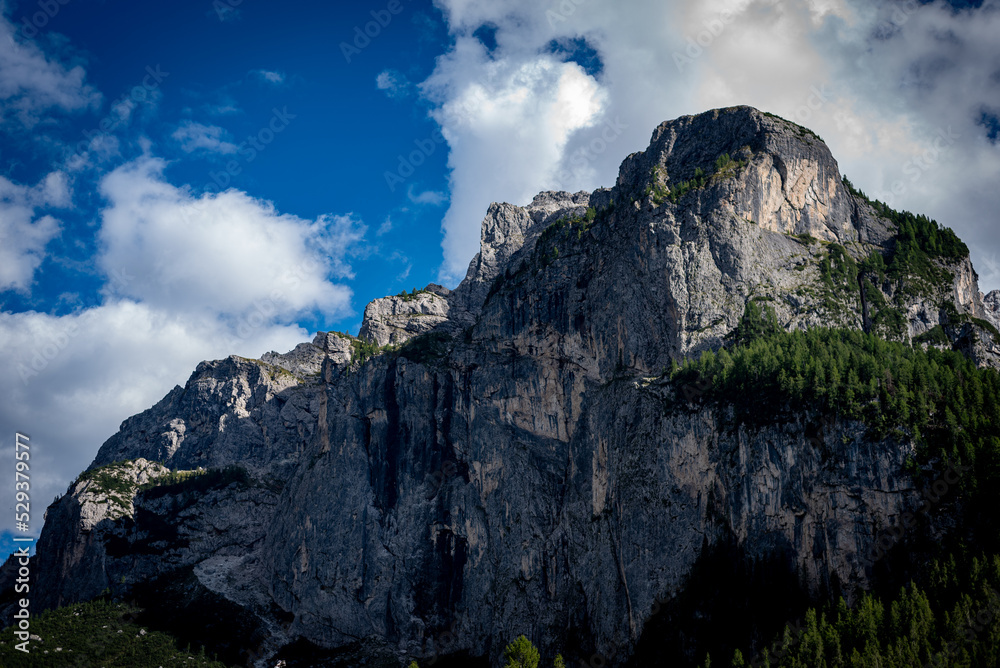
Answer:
(505, 231)
(393, 320)
(991, 308)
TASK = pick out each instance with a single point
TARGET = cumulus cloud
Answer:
(878, 81)
(24, 234)
(270, 76)
(219, 252)
(194, 137)
(31, 83)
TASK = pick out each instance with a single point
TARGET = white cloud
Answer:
(31, 83)
(394, 83)
(432, 197)
(23, 234)
(507, 122)
(891, 76)
(220, 253)
(194, 136)
(269, 76)
(224, 110)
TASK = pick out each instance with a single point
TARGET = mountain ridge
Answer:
(500, 455)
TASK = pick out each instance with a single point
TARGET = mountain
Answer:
(529, 453)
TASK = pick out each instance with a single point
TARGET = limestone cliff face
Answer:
(513, 460)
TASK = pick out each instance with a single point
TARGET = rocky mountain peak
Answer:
(516, 453)
(785, 178)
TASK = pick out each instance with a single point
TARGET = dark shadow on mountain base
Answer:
(179, 604)
(369, 653)
(304, 654)
(729, 602)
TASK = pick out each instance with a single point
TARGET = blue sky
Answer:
(183, 181)
(220, 82)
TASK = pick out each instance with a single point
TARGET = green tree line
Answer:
(952, 620)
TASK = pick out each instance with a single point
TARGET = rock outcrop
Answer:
(991, 306)
(513, 459)
(393, 320)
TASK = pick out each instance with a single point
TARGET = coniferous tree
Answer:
(520, 653)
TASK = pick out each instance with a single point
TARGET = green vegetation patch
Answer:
(112, 481)
(956, 318)
(839, 275)
(413, 294)
(568, 227)
(698, 181)
(940, 399)
(98, 633)
(921, 245)
(934, 336)
(953, 620)
(364, 350)
(724, 167)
